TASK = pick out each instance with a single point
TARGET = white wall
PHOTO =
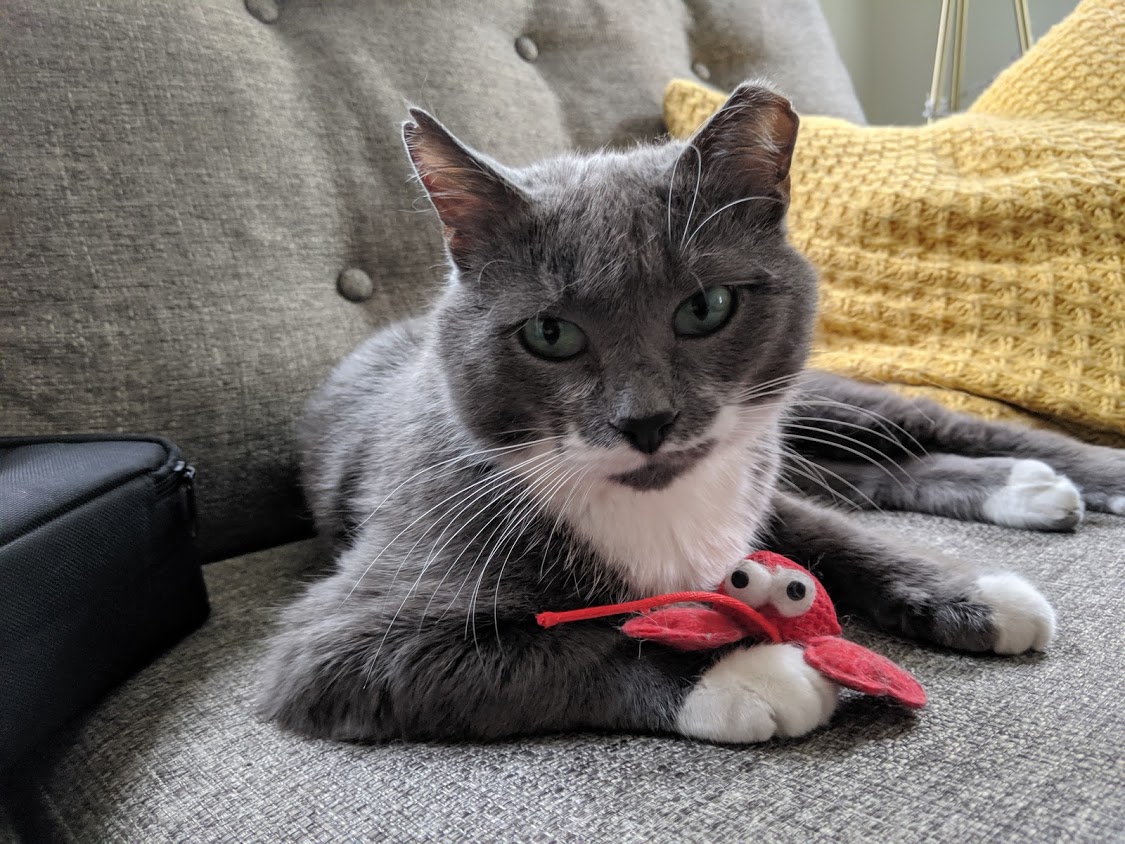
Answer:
(888, 46)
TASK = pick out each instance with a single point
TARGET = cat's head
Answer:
(636, 305)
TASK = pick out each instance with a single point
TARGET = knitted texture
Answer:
(977, 260)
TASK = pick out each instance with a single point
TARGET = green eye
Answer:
(555, 339)
(705, 312)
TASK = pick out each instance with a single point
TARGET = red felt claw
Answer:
(855, 667)
(686, 628)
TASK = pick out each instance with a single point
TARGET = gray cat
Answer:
(609, 401)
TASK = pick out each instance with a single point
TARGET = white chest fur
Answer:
(691, 533)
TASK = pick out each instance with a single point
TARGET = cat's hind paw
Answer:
(1106, 503)
(1035, 497)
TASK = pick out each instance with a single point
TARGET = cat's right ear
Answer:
(744, 151)
(470, 195)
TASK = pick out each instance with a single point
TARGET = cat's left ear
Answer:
(744, 150)
(469, 193)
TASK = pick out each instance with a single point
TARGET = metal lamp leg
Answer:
(1023, 25)
(955, 12)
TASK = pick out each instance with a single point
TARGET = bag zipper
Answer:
(182, 476)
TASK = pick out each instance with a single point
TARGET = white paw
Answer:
(1105, 503)
(1035, 496)
(754, 694)
(1021, 615)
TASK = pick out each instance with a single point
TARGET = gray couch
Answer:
(204, 205)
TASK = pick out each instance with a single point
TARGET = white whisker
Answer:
(421, 574)
(831, 444)
(854, 425)
(516, 519)
(816, 398)
(417, 519)
(569, 473)
(714, 214)
(695, 193)
(498, 450)
(816, 478)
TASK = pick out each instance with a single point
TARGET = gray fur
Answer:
(424, 628)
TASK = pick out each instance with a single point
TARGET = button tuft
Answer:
(701, 70)
(355, 285)
(263, 10)
(527, 49)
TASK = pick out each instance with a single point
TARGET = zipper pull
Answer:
(187, 478)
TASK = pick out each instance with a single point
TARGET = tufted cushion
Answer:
(184, 183)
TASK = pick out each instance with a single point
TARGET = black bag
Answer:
(99, 573)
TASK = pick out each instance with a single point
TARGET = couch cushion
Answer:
(1025, 748)
(184, 183)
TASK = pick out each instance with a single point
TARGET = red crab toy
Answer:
(768, 597)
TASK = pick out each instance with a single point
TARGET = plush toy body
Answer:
(768, 597)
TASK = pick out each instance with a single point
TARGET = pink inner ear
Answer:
(685, 628)
(470, 194)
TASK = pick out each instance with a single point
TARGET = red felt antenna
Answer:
(730, 607)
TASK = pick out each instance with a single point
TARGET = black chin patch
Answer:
(662, 469)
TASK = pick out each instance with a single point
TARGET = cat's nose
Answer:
(646, 433)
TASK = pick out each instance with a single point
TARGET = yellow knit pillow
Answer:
(978, 260)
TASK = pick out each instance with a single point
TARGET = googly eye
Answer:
(750, 583)
(791, 592)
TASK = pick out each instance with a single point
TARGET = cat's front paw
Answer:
(1022, 619)
(1099, 472)
(754, 694)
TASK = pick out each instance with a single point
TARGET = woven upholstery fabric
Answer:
(1008, 749)
(978, 260)
(182, 184)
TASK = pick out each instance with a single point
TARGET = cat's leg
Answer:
(839, 419)
(1003, 490)
(338, 669)
(916, 593)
